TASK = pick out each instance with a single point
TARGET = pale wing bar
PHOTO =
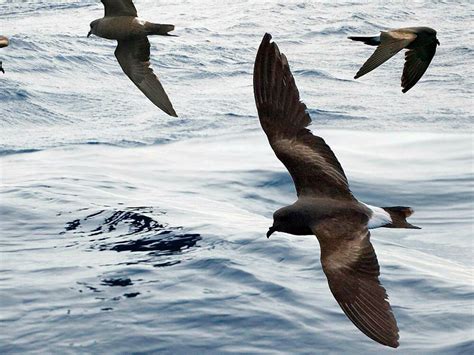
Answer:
(390, 44)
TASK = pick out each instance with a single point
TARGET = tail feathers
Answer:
(159, 29)
(371, 41)
(399, 214)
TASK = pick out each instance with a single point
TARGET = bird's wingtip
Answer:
(267, 37)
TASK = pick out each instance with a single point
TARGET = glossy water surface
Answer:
(125, 230)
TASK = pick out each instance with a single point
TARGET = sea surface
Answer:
(124, 230)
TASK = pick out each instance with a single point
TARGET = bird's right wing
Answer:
(312, 164)
(119, 8)
(351, 267)
(416, 62)
(134, 58)
(391, 43)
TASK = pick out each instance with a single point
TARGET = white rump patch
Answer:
(140, 21)
(379, 217)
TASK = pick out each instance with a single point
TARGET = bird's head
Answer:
(432, 34)
(93, 26)
(286, 220)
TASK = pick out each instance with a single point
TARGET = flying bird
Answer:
(3, 43)
(133, 50)
(421, 43)
(325, 206)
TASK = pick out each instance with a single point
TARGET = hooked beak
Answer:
(271, 230)
(89, 34)
(437, 41)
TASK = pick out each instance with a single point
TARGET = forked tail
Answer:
(371, 41)
(399, 214)
(159, 29)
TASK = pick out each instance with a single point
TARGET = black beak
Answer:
(89, 34)
(271, 230)
(437, 42)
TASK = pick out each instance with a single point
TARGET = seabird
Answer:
(421, 43)
(325, 206)
(133, 50)
(3, 43)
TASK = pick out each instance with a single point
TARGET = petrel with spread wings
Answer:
(325, 206)
(133, 51)
(3, 43)
(421, 43)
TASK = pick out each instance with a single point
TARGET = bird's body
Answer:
(120, 28)
(421, 43)
(325, 206)
(133, 50)
(308, 211)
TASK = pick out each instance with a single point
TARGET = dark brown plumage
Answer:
(325, 205)
(119, 8)
(133, 50)
(421, 43)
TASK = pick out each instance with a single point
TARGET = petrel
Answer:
(421, 43)
(133, 50)
(3, 43)
(325, 206)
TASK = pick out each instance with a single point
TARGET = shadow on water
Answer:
(132, 230)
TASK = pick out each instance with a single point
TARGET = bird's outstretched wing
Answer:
(416, 62)
(391, 43)
(312, 164)
(134, 58)
(351, 267)
(119, 8)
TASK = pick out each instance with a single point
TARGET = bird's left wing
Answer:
(310, 161)
(391, 43)
(119, 8)
(416, 62)
(351, 267)
(134, 58)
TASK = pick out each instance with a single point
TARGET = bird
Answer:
(3, 43)
(325, 206)
(121, 23)
(421, 43)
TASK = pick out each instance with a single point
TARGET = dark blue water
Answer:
(124, 230)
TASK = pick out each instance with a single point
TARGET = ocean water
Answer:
(123, 230)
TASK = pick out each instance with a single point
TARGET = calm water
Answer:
(125, 230)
